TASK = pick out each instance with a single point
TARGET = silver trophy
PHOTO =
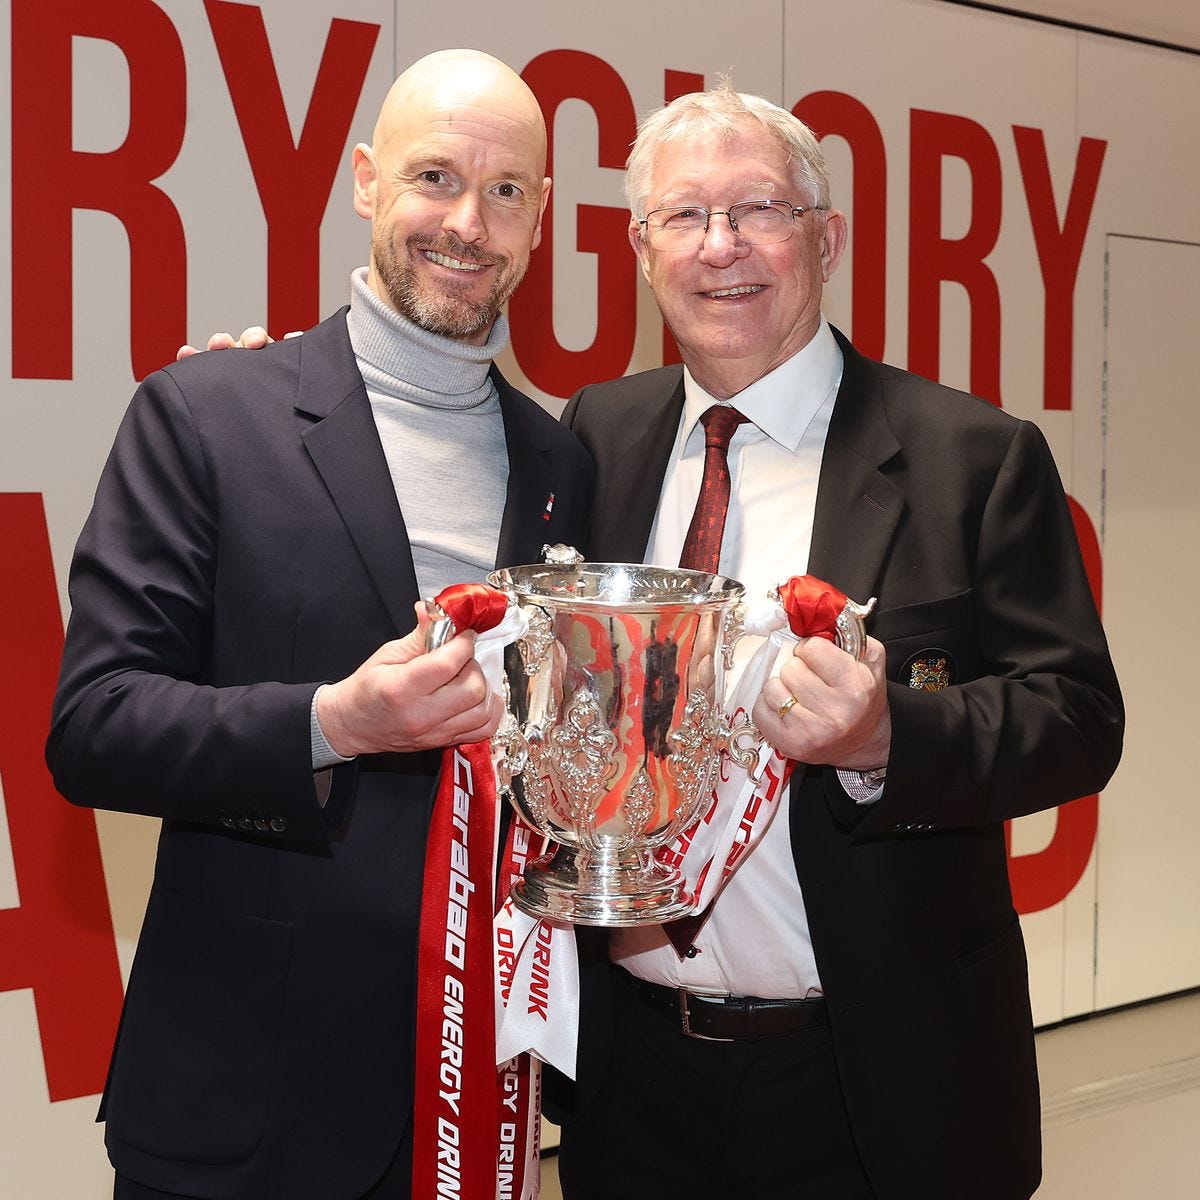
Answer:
(614, 728)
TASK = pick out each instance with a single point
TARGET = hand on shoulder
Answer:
(254, 338)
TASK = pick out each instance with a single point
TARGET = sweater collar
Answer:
(398, 358)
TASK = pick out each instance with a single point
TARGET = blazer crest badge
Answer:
(929, 670)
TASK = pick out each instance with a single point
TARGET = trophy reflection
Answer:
(614, 728)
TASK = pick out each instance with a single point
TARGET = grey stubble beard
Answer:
(443, 313)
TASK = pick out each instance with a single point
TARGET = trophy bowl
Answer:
(614, 728)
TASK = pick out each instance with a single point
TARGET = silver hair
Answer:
(722, 112)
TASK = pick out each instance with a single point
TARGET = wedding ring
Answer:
(785, 707)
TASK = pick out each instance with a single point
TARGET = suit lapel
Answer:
(531, 479)
(630, 472)
(858, 506)
(345, 448)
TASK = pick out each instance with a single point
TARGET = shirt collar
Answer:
(784, 401)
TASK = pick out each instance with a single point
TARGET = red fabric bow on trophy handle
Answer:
(815, 608)
(461, 607)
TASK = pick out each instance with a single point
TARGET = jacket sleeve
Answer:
(137, 724)
(1036, 717)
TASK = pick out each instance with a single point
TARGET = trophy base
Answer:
(609, 891)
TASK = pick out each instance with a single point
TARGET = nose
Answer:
(464, 218)
(721, 245)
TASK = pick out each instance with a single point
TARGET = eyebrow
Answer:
(757, 185)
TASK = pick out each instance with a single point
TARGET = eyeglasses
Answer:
(755, 222)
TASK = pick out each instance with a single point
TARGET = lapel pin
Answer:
(549, 508)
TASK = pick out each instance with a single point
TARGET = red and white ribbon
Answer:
(518, 1074)
(475, 1128)
(541, 1016)
(497, 989)
(744, 803)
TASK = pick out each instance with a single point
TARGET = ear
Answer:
(537, 229)
(833, 242)
(638, 242)
(365, 177)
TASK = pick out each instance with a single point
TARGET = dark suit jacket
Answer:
(245, 545)
(952, 514)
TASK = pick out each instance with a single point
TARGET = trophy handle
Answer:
(733, 632)
(518, 750)
(441, 628)
(561, 555)
(746, 756)
(536, 646)
(740, 738)
(851, 633)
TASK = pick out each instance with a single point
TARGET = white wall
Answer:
(1173, 21)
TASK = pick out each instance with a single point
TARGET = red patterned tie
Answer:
(702, 546)
(702, 552)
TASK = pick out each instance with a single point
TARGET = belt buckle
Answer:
(685, 1020)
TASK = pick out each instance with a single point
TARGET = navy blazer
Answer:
(951, 512)
(245, 545)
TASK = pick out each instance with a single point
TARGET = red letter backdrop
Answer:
(59, 941)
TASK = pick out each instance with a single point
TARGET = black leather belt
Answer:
(730, 1018)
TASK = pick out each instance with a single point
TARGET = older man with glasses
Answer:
(852, 1019)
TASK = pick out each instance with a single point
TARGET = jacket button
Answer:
(228, 822)
(260, 823)
(245, 823)
(278, 824)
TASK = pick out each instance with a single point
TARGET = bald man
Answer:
(241, 663)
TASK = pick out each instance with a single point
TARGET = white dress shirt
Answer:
(756, 939)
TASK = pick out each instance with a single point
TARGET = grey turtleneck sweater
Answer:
(438, 416)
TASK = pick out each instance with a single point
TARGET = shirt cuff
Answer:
(856, 785)
(323, 754)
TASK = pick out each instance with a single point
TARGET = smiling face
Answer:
(455, 190)
(737, 311)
